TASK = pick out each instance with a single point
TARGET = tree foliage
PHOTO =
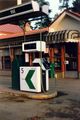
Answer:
(42, 2)
(43, 21)
(76, 6)
(64, 4)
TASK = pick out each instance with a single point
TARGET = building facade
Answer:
(65, 36)
(63, 44)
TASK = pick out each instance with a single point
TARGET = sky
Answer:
(54, 5)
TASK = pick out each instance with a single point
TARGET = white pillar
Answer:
(19, 2)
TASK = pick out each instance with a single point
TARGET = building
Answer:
(64, 42)
(62, 38)
(11, 38)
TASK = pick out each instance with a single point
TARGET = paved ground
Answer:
(66, 106)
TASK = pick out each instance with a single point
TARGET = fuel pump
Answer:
(34, 78)
(44, 76)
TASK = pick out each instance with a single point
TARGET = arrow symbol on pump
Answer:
(28, 79)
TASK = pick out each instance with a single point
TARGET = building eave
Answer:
(31, 32)
(63, 14)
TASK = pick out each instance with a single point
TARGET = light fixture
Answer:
(19, 2)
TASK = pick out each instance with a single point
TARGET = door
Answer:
(71, 60)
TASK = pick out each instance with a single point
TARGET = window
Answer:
(57, 58)
(6, 63)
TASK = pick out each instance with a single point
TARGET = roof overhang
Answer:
(25, 11)
(19, 34)
(73, 16)
(63, 36)
(73, 40)
(63, 15)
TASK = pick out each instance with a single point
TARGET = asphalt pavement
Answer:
(65, 106)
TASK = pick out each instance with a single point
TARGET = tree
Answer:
(65, 4)
(43, 21)
(76, 6)
(42, 2)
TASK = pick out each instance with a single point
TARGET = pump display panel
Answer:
(34, 46)
(30, 46)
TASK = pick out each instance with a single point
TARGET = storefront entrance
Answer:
(65, 58)
(71, 60)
